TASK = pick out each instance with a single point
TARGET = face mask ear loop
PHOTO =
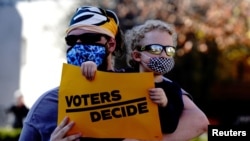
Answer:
(145, 55)
(69, 49)
(106, 44)
(72, 47)
(142, 60)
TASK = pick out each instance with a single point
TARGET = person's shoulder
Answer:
(170, 82)
(42, 116)
(46, 102)
(184, 92)
(167, 79)
(50, 95)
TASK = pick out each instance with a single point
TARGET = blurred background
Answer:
(212, 60)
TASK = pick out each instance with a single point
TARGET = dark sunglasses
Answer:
(157, 49)
(86, 38)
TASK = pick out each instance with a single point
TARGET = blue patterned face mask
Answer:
(80, 53)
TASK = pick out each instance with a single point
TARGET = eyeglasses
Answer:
(157, 49)
(84, 38)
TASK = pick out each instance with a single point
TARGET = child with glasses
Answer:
(151, 48)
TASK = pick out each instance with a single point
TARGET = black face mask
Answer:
(160, 65)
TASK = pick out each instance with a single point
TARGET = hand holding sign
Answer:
(61, 130)
(107, 107)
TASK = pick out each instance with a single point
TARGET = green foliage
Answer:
(9, 134)
(202, 137)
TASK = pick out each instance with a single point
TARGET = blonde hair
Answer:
(134, 36)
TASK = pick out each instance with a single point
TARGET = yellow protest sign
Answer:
(113, 105)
